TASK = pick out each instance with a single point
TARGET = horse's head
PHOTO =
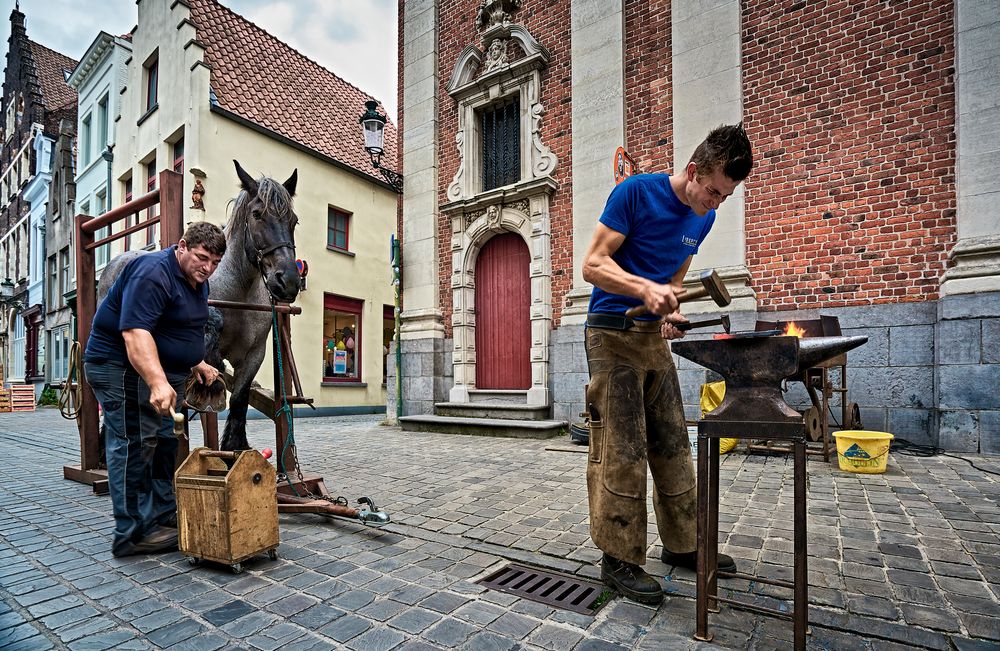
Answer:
(263, 211)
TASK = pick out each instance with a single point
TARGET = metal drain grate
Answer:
(559, 590)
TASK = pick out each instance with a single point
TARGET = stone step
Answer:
(495, 396)
(521, 429)
(499, 410)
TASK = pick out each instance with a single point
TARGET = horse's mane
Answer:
(275, 201)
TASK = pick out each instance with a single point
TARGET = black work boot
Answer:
(690, 560)
(630, 580)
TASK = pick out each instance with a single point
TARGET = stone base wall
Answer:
(929, 372)
(427, 376)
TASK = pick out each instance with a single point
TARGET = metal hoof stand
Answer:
(753, 365)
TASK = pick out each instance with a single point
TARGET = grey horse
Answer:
(259, 266)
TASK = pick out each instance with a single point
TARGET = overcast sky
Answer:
(356, 39)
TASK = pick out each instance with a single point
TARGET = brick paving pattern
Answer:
(908, 559)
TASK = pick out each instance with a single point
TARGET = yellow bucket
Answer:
(863, 451)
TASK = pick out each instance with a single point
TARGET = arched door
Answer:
(503, 327)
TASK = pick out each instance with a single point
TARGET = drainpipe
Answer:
(109, 158)
(397, 262)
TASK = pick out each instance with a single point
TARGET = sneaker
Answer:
(158, 539)
(690, 561)
(630, 580)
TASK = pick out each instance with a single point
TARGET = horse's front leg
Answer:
(235, 435)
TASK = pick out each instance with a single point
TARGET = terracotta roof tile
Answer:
(263, 80)
(51, 66)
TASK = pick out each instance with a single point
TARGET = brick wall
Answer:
(550, 24)
(648, 85)
(851, 109)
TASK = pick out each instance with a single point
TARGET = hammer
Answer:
(179, 421)
(711, 285)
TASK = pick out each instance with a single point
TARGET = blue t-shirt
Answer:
(660, 234)
(152, 294)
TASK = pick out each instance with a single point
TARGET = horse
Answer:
(258, 267)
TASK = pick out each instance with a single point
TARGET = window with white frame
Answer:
(53, 282)
(60, 343)
(86, 134)
(64, 277)
(102, 253)
(102, 124)
(17, 348)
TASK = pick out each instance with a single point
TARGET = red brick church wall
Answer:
(851, 108)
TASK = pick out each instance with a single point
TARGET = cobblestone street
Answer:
(908, 559)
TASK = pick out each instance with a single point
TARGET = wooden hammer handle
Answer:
(682, 296)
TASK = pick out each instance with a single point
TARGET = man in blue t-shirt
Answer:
(148, 335)
(642, 247)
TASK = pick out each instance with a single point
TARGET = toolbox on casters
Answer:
(226, 514)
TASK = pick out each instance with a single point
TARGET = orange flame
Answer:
(792, 330)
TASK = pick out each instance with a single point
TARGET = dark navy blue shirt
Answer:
(660, 233)
(152, 294)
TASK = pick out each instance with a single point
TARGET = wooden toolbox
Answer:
(22, 397)
(224, 514)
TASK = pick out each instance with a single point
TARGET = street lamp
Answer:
(373, 124)
(7, 295)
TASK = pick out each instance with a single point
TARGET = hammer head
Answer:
(716, 288)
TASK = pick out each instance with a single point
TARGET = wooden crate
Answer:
(22, 397)
(4, 400)
(226, 515)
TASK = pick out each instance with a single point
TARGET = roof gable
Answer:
(263, 80)
(52, 68)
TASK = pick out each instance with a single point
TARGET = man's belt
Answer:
(620, 322)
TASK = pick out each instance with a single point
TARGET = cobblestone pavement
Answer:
(908, 559)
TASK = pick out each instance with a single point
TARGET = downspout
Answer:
(397, 262)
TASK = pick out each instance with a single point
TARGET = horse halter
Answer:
(259, 254)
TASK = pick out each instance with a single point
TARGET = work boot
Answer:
(158, 539)
(169, 520)
(690, 560)
(630, 580)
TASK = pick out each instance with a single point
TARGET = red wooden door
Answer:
(503, 329)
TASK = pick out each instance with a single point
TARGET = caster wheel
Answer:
(193, 561)
(237, 568)
(272, 554)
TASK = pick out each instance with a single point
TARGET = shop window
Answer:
(60, 354)
(338, 225)
(341, 339)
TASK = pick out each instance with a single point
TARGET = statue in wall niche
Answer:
(496, 54)
(197, 192)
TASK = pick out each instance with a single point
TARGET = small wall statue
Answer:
(197, 192)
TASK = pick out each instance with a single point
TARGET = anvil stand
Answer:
(753, 407)
(709, 433)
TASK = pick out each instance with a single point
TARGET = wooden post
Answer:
(86, 305)
(171, 208)
(282, 378)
